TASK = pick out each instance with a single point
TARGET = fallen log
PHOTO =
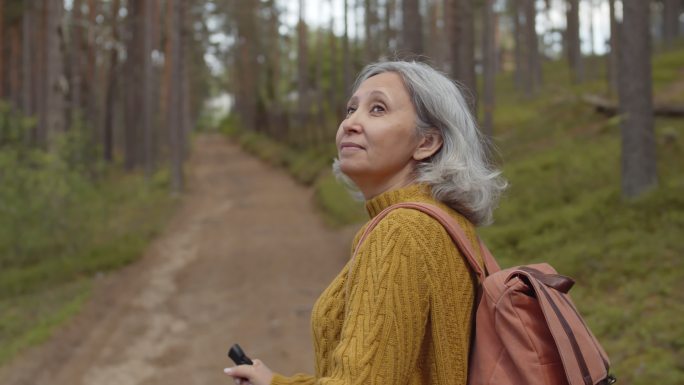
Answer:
(610, 108)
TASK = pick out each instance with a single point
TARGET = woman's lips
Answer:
(350, 146)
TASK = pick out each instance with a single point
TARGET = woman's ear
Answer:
(429, 144)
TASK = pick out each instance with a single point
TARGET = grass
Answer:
(110, 226)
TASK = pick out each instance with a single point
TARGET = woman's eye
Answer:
(350, 110)
(377, 109)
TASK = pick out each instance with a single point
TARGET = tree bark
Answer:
(147, 88)
(432, 48)
(90, 90)
(534, 77)
(346, 56)
(173, 109)
(462, 37)
(133, 76)
(27, 51)
(488, 67)
(671, 11)
(54, 103)
(15, 64)
(110, 95)
(614, 54)
(334, 95)
(303, 75)
(639, 172)
(247, 66)
(370, 28)
(76, 53)
(389, 30)
(2, 49)
(519, 76)
(572, 39)
(412, 28)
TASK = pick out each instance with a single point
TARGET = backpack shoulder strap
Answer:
(453, 229)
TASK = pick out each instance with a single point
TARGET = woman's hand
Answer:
(257, 374)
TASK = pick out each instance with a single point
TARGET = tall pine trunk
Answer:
(147, 88)
(614, 54)
(639, 172)
(488, 67)
(573, 42)
(412, 28)
(671, 11)
(346, 55)
(76, 55)
(460, 20)
(27, 52)
(303, 77)
(173, 109)
(54, 91)
(534, 78)
(519, 76)
(111, 94)
(2, 49)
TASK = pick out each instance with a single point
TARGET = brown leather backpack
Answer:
(527, 330)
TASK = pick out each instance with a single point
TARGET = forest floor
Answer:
(243, 260)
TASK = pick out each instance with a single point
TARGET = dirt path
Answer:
(243, 261)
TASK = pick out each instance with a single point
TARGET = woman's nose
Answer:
(351, 124)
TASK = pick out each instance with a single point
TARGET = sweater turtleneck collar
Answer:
(416, 192)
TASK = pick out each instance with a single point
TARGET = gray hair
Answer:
(460, 173)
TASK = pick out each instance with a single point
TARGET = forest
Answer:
(103, 102)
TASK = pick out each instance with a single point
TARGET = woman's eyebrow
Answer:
(375, 93)
(378, 93)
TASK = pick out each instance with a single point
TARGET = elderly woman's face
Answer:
(377, 139)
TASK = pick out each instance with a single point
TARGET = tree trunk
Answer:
(2, 49)
(27, 51)
(110, 96)
(519, 75)
(463, 49)
(173, 109)
(247, 66)
(76, 53)
(671, 11)
(639, 172)
(334, 95)
(54, 91)
(614, 54)
(90, 89)
(303, 76)
(534, 77)
(572, 39)
(488, 67)
(133, 76)
(147, 88)
(370, 26)
(272, 72)
(15, 64)
(346, 56)
(389, 30)
(185, 91)
(412, 27)
(432, 41)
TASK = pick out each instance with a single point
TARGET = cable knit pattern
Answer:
(401, 311)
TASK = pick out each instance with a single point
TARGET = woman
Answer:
(401, 311)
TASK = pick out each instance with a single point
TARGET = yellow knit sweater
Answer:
(401, 312)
